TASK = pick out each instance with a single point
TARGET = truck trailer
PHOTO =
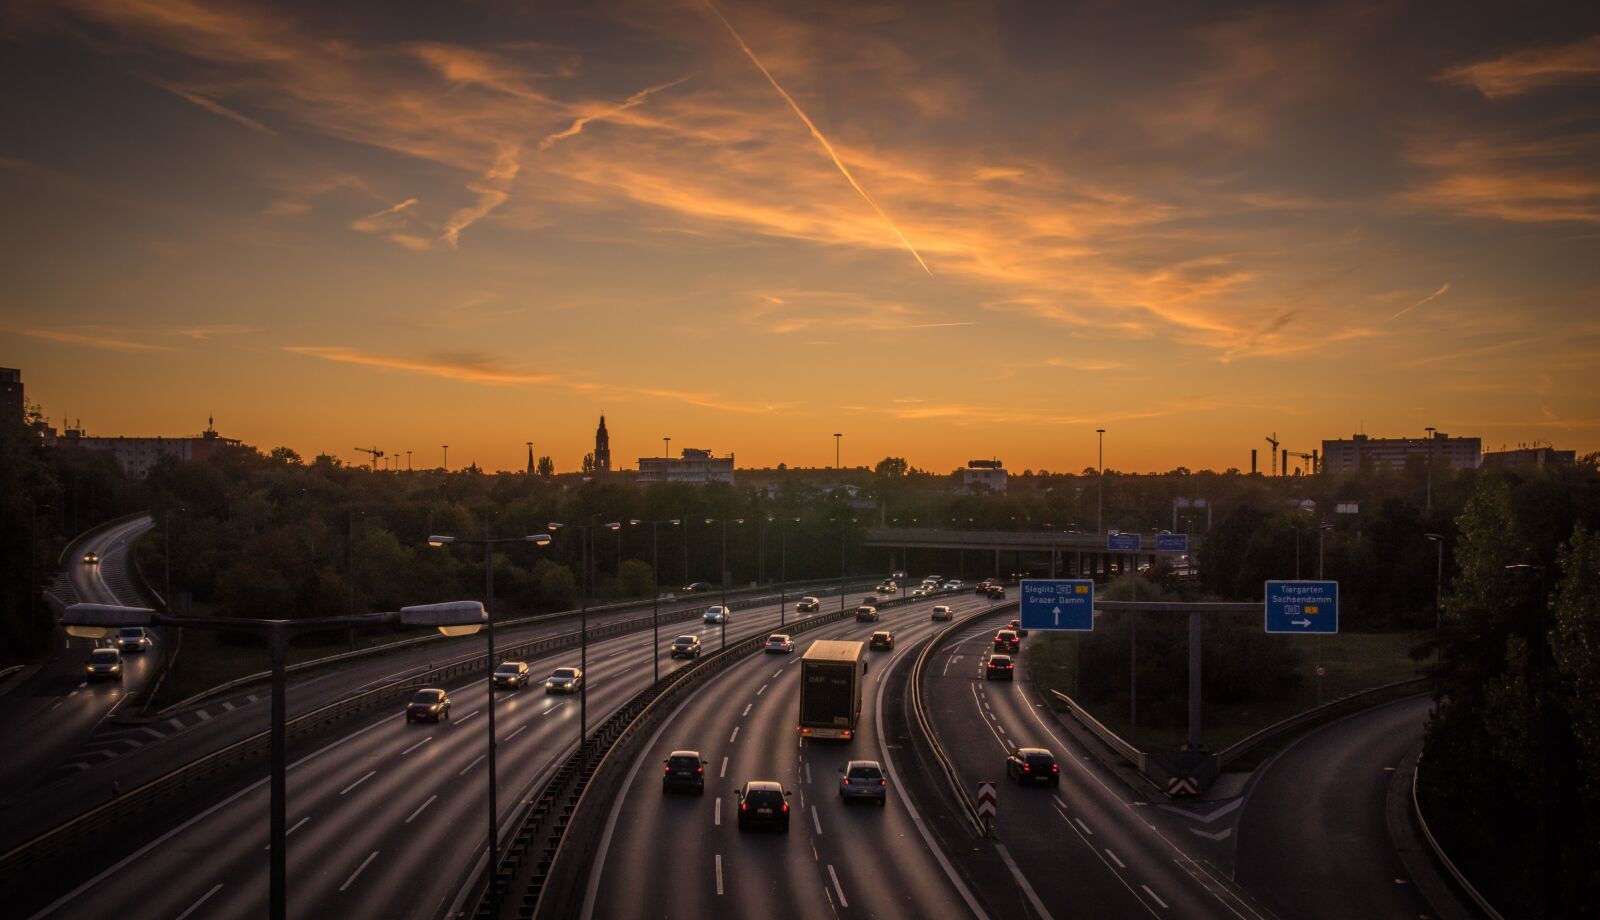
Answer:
(831, 676)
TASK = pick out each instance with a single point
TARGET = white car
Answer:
(887, 587)
(942, 612)
(716, 614)
(953, 584)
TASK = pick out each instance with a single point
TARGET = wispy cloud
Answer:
(492, 189)
(195, 97)
(577, 126)
(1522, 71)
(92, 339)
(472, 368)
(1443, 289)
(202, 333)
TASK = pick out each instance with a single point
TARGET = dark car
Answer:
(697, 586)
(91, 558)
(1016, 627)
(511, 674)
(564, 680)
(1033, 765)
(684, 770)
(808, 605)
(863, 779)
(132, 639)
(866, 613)
(103, 664)
(430, 704)
(763, 803)
(996, 592)
(1006, 641)
(686, 647)
(882, 640)
(999, 667)
(981, 587)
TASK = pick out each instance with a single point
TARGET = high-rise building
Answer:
(1359, 451)
(1529, 459)
(137, 455)
(693, 466)
(602, 448)
(987, 475)
(11, 402)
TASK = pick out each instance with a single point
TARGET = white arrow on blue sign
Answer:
(1303, 607)
(1057, 603)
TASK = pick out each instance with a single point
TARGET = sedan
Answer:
(882, 641)
(564, 680)
(512, 674)
(996, 592)
(999, 667)
(686, 647)
(808, 605)
(716, 614)
(103, 664)
(1016, 627)
(684, 770)
(91, 558)
(863, 779)
(697, 586)
(1033, 765)
(132, 639)
(764, 803)
(1006, 641)
(430, 704)
(887, 587)
(779, 644)
(866, 613)
(942, 612)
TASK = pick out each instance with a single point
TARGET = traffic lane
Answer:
(1312, 840)
(743, 724)
(85, 577)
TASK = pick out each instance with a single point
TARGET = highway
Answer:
(54, 711)
(836, 860)
(1088, 848)
(388, 818)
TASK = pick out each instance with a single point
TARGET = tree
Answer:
(546, 468)
(286, 456)
(891, 468)
(588, 464)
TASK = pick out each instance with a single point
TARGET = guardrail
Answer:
(1364, 699)
(1438, 851)
(1107, 737)
(553, 882)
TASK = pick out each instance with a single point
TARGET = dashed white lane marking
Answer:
(519, 731)
(746, 710)
(1120, 863)
(724, 771)
(370, 774)
(762, 690)
(1022, 880)
(203, 898)
(475, 762)
(176, 725)
(719, 873)
(1085, 827)
(733, 737)
(415, 746)
(204, 716)
(777, 674)
(420, 808)
(291, 830)
(468, 716)
(363, 865)
(836, 887)
(808, 773)
(250, 699)
(716, 812)
(1059, 802)
(1154, 897)
(816, 821)
(228, 707)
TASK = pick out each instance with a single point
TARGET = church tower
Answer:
(602, 448)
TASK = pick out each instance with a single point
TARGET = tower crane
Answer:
(376, 453)
(1312, 457)
(1273, 440)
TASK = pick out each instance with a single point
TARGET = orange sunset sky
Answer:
(946, 230)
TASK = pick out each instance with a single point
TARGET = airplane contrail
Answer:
(577, 125)
(816, 134)
(1428, 299)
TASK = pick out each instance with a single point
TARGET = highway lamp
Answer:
(723, 575)
(446, 457)
(488, 543)
(96, 621)
(836, 437)
(783, 564)
(1322, 531)
(1100, 484)
(655, 602)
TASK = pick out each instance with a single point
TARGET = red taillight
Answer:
(883, 782)
(1008, 667)
(666, 769)
(1055, 768)
(847, 780)
(785, 807)
(700, 769)
(744, 806)
(1026, 768)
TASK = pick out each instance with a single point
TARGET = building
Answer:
(1529, 459)
(696, 466)
(11, 401)
(602, 448)
(1360, 452)
(984, 475)
(137, 455)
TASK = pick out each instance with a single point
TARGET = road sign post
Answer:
(1123, 542)
(1172, 543)
(1302, 607)
(986, 807)
(1056, 604)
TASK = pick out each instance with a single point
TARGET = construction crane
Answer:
(1273, 440)
(376, 453)
(1312, 457)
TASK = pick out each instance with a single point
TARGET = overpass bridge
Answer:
(1058, 554)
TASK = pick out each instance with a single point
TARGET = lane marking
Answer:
(420, 808)
(735, 736)
(1085, 827)
(1154, 896)
(1022, 880)
(716, 812)
(746, 710)
(415, 746)
(777, 674)
(203, 898)
(468, 716)
(719, 873)
(762, 690)
(229, 707)
(808, 773)
(370, 774)
(204, 716)
(177, 726)
(724, 771)
(1120, 863)
(816, 821)
(475, 762)
(836, 886)
(363, 865)
(514, 734)
(290, 830)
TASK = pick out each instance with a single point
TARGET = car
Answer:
(863, 779)
(133, 639)
(999, 667)
(953, 584)
(764, 803)
(103, 664)
(871, 600)
(887, 587)
(996, 592)
(512, 674)
(693, 587)
(779, 644)
(933, 580)
(882, 640)
(564, 680)
(865, 613)
(897, 575)
(807, 605)
(430, 704)
(1006, 641)
(1033, 765)
(686, 647)
(716, 613)
(919, 592)
(982, 587)
(91, 558)
(684, 770)
(1016, 627)
(942, 612)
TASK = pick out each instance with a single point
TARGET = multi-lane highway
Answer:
(1088, 847)
(684, 856)
(387, 819)
(54, 711)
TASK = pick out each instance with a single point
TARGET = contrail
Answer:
(1443, 288)
(816, 134)
(577, 126)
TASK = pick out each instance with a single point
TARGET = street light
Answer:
(723, 574)
(655, 601)
(488, 543)
(446, 457)
(95, 621)
(836, 437)
(783, 563)
(587, 543)
(1100, 501)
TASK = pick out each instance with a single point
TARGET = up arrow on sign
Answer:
(1057, 612)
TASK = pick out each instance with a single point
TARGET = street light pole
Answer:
(836, 437)
(1100, 501)
(446, 457)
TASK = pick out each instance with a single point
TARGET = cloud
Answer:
(1443, 289)
(1523, 71)
(577, 126)
(202, 333)
(215, 107)
(472, 368)
(1549, 176)
(89, 339)
(493, 189)
(789, 311)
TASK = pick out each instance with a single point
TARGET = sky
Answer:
(947, 231)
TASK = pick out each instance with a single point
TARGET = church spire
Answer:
(602, 447)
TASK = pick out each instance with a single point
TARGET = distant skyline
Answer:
(951, 231)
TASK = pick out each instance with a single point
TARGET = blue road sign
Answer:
(1122, 542)
(1057, 603)
(1304, 607)
(1172, 543)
